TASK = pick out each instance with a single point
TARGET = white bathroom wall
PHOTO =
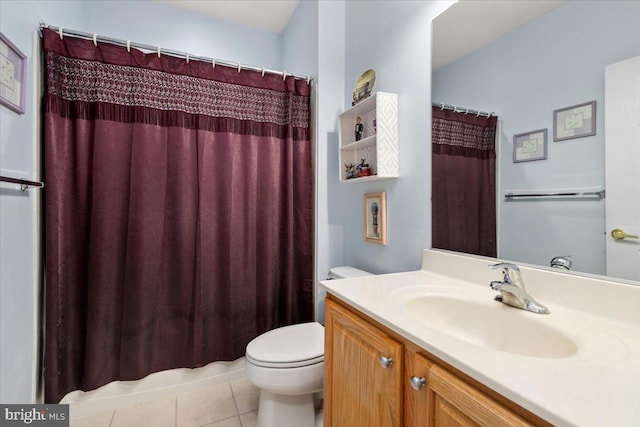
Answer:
(394, 39)
(555, 61)
(330, 92)
(300, 40)
(158, 24)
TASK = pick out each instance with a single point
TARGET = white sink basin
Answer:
(491, 324)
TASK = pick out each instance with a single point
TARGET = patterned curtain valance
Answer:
(463, 134)
(83, 83)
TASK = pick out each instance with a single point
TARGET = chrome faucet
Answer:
(562, 261)
(512, 290)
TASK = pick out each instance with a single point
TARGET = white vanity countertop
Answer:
(597, 386)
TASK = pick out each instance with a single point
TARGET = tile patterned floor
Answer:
(233, 404)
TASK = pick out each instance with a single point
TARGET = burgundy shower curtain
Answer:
(178, 211)
(463, 182)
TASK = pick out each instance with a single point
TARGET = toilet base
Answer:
(284, 410)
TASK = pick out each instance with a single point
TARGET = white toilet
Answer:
(287, 365)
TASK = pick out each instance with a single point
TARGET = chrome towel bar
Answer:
(24, 183)
(560, 194)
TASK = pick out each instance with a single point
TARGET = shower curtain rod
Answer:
(461, 110)
(175, 53)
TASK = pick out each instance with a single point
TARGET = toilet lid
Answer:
(288, 346)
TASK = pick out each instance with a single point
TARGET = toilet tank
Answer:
(346, 272)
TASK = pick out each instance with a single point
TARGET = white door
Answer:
(622, 168)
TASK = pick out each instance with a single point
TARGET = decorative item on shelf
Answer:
(362, 169)
(364, 86)
(350, 171)
(375, 221)
(359, 128)
(12, 75)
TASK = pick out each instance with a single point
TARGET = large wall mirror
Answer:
(554, 58)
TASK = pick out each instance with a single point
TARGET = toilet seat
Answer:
(288, 347)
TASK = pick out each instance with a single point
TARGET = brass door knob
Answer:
(619, 234)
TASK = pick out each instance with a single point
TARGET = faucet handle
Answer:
(506, 266)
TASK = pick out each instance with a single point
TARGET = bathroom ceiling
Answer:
(470, 24)
(270, 15)
(461, 29)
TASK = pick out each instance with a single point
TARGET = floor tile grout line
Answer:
(223, 419)
(233, 396)
(248, 409)
(176, 416)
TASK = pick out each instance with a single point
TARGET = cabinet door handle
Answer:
(417, 383)
(385, 362)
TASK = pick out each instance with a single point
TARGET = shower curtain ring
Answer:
(442, 106)
(187, 53)
(262, 71)
(239, 67)
(213, 62)
(128, 45)
(60, 32)
(158, 51)
(284, 75)
(95, 39)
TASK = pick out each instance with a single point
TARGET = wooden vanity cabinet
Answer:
(363, 372)
(359, 391)
(447, 400)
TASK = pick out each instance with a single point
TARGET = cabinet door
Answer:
(452, 403)
(359, 390)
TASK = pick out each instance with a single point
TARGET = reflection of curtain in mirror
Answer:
(463, 182)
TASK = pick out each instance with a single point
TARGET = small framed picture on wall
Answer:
(12, 75)
(575, 121)
(530, 146)
(375, 218)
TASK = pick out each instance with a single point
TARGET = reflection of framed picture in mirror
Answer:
(530, 146)
(375, 218)
(575, 121)
(12, 75)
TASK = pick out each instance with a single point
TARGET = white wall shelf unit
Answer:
(378, 146)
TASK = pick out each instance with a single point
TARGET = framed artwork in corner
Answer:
(375, 218)
(575, 121)
(12, 75)
(530, 146)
